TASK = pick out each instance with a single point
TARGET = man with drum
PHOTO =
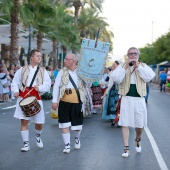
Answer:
(68, 95)
(28, 82)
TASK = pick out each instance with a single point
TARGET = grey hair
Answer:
(133, 48)
(74, 55)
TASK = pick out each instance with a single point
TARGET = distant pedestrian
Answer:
(162, 77)
(147, 92)
(56, 70)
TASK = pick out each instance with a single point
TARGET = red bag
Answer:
(118, 110)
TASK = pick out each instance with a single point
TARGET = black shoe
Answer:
(113, 123)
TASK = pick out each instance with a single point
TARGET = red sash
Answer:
(33, 92)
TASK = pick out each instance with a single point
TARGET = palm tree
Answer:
(38, 13)
(79, 3)
(63, 31)
(14, 9)
(43, 15)
(11, 7)
(88, 22)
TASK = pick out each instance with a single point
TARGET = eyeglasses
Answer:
(68, 59)
(132, 54)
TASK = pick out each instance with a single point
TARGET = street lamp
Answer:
(152, 31)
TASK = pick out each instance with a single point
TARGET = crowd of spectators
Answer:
(6, 76)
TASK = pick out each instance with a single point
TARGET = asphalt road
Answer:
(102, 144)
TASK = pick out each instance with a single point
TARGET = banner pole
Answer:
(97, 38)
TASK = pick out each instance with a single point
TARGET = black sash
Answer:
(75, 87)
(34, 77)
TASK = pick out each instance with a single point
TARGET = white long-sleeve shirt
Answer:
(45, 87)
(146, 73)
(110, 84)
(73, 74)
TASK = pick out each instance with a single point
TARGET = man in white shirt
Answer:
(68, 101)
(23, 86)
(132, 78)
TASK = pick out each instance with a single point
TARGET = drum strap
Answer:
(75, 87)
(34, 77)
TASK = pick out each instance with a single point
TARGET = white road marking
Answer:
(155, 148)
(10, 107)
(47, 112)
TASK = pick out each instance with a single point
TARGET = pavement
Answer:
(156, 85)
(102, 144)
(8, 104)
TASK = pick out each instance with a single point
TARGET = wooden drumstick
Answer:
(29, 92)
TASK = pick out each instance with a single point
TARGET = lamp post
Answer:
(57, 55)
(62, 59)
(29, 44)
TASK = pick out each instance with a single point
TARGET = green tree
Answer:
(147, 55)
(161, 47)
(11, 7)
(63, 31)
(157, 52)
(88, 23)
(80, 3)
(43, 15)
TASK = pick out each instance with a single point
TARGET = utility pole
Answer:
(152, 32)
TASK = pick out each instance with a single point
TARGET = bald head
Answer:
(70, 61)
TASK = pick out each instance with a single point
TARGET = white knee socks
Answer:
(25, 137)
(77, 134)
(66, 138)
(37, 134)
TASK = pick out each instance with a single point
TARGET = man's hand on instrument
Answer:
(55, 106)
(126, 65)
(16, 94)
(36, 88)
(136, 63)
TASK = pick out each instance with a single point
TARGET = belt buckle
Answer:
(68, 91)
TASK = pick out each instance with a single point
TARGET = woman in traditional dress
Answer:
(111, 98)
(96, 96)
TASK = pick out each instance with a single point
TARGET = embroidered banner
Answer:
(92, 60)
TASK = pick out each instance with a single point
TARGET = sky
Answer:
(136, 22)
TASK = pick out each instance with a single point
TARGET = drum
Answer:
(30, 106)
